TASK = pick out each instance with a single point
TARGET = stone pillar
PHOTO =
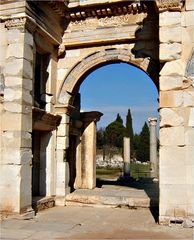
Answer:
(88, 142)
(126, 155)
(62, 175)
(153, 147)
(16, 155)
(176, 114)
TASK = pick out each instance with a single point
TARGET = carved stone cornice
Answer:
(105, 10)
(58, 6)
(31, 25)
(165, 5)
(21, 23)
(43, 121)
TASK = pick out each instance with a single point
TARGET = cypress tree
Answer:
(143, 148)
(129, 131)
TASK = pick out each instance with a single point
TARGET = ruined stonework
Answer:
(47, 147)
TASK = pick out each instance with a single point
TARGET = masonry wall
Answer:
(177, 115)
(16, 124)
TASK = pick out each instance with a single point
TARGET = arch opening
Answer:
(83, 68)
(83, 122)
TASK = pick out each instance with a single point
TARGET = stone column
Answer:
(88, 142)
(126, 155)
(62, 175)
(16, 158)
(153, 147)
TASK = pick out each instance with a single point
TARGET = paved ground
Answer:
(91, 223)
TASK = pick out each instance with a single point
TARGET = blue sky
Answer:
(114, 89)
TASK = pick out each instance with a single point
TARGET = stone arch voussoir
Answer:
(76, 74)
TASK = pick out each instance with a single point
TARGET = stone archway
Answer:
(81, 69)
(82, 126)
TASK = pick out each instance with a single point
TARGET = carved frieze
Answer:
(126, 19)
(109, 21)
(169, 4)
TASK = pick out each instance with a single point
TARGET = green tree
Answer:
(114, 132)
(143, 146)
(129, 131)
(100, 138)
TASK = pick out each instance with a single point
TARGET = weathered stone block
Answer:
(2, 55)
(189, 156)
(9, 187)
(189, 137)
(16, 122)
(15, 187)
(19, 67)
(176, 67)
(172, 136)
(191, 118)
(170, 52)
(20, 50)
(172, 155)
(63, 130)
(188, 35)
(169, 117)
(174, 195)
(62, 142)
(28, 39)
(73, 53)
(170, 82)
(16, 94)
(16, 156)
(11, 81)
(170, 34)
(15, 36)
(189, 5)
(65, 119)
(187, 50)
(173, 174)
(60, 155)
(11, 94)
(25, 187)
(3, 33)
(170, 18)
(171, 99)
(187, 19)
(62, 178)
(13, 107)
(188, 97)
(61, 73)
(16, 139)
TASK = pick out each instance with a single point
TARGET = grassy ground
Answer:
(108, 173)
(137, 171)
(140, 170)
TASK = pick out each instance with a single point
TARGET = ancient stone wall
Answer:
(17, 122)
(176, 111)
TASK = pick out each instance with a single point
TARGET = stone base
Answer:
(41, 203)
(170, 221)
(126, 169)
(60, 200)
(25, 216)
(28, 215)
(113, 196)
